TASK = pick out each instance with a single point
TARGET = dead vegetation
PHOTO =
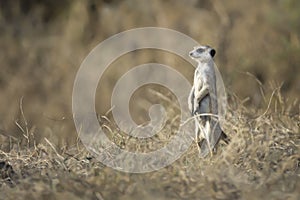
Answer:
(261, 162)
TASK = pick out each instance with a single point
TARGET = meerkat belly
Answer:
(198, 83)
(204, 107)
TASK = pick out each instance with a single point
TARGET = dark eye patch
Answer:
(200, 50)
(212, 53)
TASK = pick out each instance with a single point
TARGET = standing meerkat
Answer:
(203, 102)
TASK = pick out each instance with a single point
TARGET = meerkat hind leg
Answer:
(204, 149)
(208, 132)
(197, 131)
(204, 144)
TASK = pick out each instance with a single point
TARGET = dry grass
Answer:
(261, 162)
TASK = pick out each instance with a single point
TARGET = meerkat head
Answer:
(202, 53)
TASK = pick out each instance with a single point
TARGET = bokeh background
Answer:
(43, 43)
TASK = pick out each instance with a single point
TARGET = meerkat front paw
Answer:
(195, 110)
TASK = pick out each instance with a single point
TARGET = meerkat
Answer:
(203, 102)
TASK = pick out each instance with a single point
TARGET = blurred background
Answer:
(43, 43)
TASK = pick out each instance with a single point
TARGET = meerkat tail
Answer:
(224, 137)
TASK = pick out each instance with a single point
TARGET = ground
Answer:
(261, 162)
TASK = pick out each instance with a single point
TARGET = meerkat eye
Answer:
(200, 50)
(212, 53)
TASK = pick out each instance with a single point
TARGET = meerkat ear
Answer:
(212, 53)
